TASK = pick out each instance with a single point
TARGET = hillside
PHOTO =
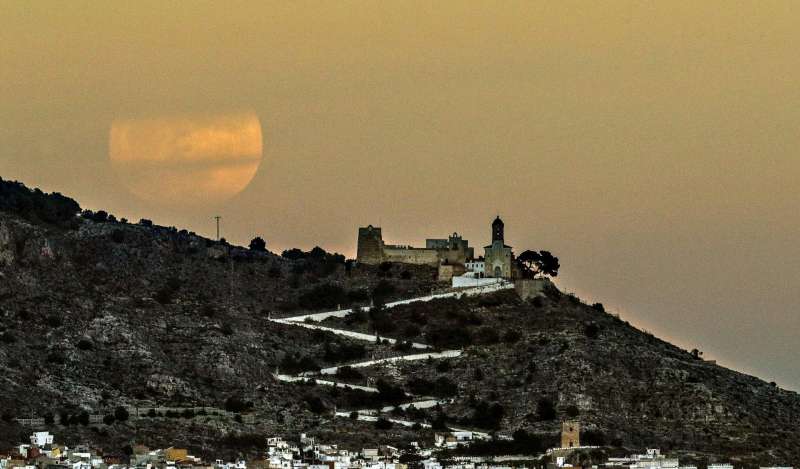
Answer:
(100, 315)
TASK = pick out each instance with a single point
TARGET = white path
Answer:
(374, 418)
(345, 333)
(295, 379)
(457, 294)
(419, 356)
(371, 415)
(408, 423)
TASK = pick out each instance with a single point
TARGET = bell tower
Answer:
(497, 230)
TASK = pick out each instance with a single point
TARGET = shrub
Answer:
(292, 364)
(343, 352)
(348, 372)
(358, 295)
(383, 290)
(258, 244)
(323, 296)
(315, 404)
(109, 419)
(512, 336)
(383, 424)
(572, 411)
(450, 337)
(591, 330)
(488, 335)
(121, 414)
(599, 307)
(545, 409)
(274, 271)
(118, 236)
(488, 415)
(354, 415)
(412, 330)
(85, 344)
(56, 357)
(146, 222)
(236, 404)
(390, 393)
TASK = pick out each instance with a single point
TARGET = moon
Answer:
(187, 160)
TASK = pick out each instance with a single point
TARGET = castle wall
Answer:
(411, 255)
(530, 288)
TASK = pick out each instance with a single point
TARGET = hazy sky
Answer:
(652, 146)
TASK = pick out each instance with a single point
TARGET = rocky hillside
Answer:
(528, 365)
(102, 317)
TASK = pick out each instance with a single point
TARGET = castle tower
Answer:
(570, 434)
(497, 230)
(370, 245)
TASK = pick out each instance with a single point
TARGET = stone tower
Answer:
(570, 434)
(370, 245)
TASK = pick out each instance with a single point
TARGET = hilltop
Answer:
(101, 317)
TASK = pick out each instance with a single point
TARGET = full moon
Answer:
(188, 160)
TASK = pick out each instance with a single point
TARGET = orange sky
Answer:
(650, 145)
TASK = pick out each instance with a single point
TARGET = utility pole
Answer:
(218, 218)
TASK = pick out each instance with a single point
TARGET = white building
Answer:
(476, 266)
(41, 439)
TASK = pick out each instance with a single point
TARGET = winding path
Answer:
(372, 415)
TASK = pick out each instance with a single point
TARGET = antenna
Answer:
(218, 218)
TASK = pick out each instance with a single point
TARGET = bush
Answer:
(109, 419)
(390, 393)
(512, 336)
(258, 244)
(382, 291)
(293, 365)
(343, 352)
(121, 414)
(146, 222)
(412, 330)
(383, 424)
(348, 372)
(545, 409)
(591, 330)
(84, 344)
(315, 404)
(599, 307)
(488, 335)
(323, 296)
(572, 411)
(236, 404)
(450, 337)
(358, 295)
(354, 415)
(488, 415)
(274, 271)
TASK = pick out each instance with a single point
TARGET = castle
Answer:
(452, 254)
